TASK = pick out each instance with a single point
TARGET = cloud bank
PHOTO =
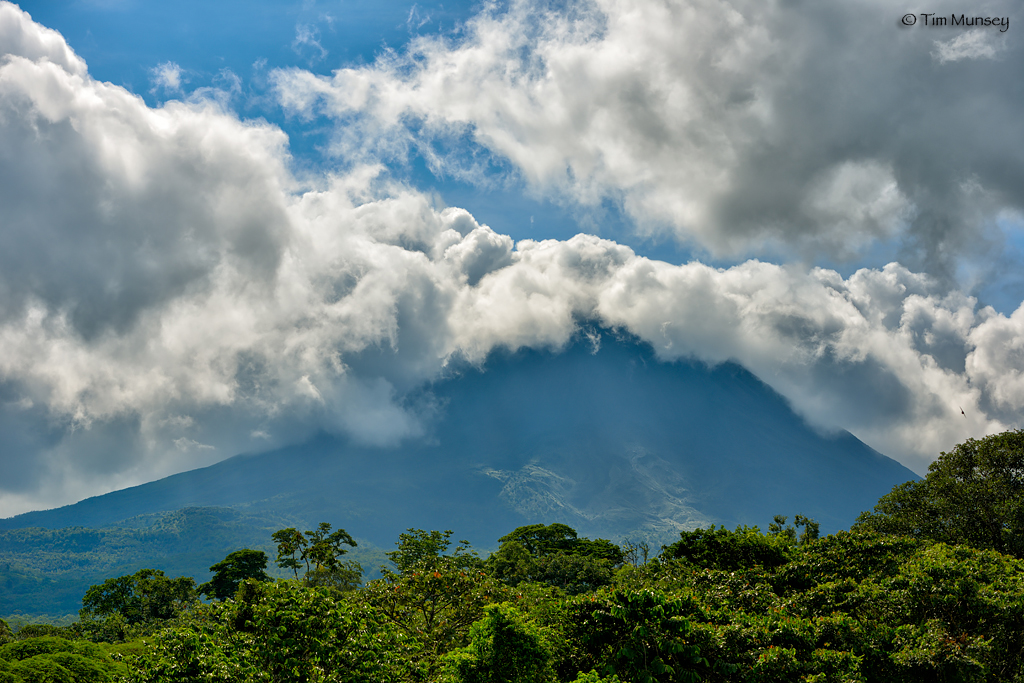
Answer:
(171, 293)
(742, 127)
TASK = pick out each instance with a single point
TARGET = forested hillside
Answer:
(45, 572)
(914, 592)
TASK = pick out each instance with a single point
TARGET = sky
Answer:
(226, 227)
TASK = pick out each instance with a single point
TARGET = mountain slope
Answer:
(601, 436)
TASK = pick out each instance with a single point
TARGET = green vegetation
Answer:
(143, 597)
(882, 602)
(58, 660)
(503, 646)
(972, 495)
(129, 606)
(230, 572)
(319, 553)
(554, 555)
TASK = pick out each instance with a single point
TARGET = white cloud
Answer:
(166, 76)
(975, 44)
(741, 126)
(20, 36)
(855, 203)
(997, 364)
(307, 39)
(170, 292)
(186, 444)
(417, 19)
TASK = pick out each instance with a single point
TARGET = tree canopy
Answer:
(719, 548)
(421, 550)
(319, 552)
(146, 595)
(554, 554)
(972, 495)
(232, 570)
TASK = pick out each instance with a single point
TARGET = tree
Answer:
(419, 549)
(503, 647)
(779, 528)
(276, 633)
(635, 554)
(554, 554)
(232, 570)
(318, 551)
(145, 596)
(640, 635)
(744, 548)
(436, 597)
(540, 540)
(972, 495)
(56, 660)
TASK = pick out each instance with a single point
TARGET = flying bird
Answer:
(962, 411)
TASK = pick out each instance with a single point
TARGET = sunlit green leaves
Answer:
(973, 495)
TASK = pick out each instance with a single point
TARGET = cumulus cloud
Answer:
(171, 294)
(970, 45)
(20, 36)
(742, 127)
(166, 76)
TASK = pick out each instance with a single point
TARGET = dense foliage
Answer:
(49, 659)
(973, 495)
(229, 573)
(318, 552)
(718, 605)
(555, 555)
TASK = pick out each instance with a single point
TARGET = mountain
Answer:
(601, 436)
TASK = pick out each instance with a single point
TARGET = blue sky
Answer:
(124, 41)
(228, 226)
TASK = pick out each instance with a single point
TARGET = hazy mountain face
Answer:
(602, 437)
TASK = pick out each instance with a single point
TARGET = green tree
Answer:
(639, 635)
(281, 632)
(56, 660)
(418, 549)
(960, 614)
(143, 597)
(744, 548)
(788, 532)
(503, 647)
(540, 540)
(554, 554)
(232, 570)
(972, 495)
(635, 554)
(811, 529)
(319, 552)
(40, 630)
(436, 597)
